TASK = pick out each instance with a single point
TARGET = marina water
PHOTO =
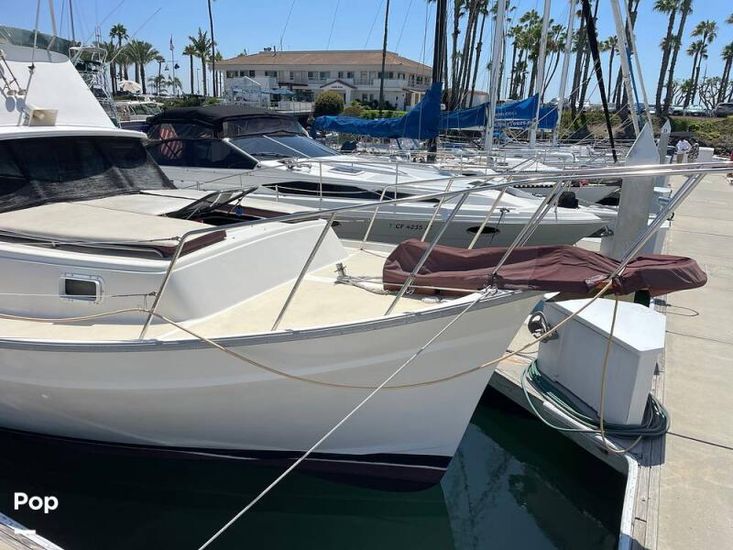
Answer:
(513, 484)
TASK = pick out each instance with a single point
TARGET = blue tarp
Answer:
(519, 114)
(420, 123)
(512, 114)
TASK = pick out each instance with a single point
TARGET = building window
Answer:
(341, 74)
(419, 80)
(364, 76)
(231, 74)
(349, 74)
(401, 76)
(271, 73)
(251, 73)
(324, 75)
(311, 75)
(364, 97)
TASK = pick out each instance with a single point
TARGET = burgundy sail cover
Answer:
(545, 268)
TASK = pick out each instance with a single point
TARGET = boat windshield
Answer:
(36, 171)
(268, 147)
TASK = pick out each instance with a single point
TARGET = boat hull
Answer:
(188, 395)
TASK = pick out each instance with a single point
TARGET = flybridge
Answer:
(30, 96)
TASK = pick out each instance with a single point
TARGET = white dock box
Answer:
(575, 358)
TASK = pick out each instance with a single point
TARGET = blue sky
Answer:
(253, 24)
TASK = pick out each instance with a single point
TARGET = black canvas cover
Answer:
(220, 121)
(565, 268)
(42, 170)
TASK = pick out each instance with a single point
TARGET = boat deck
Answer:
(319, 301)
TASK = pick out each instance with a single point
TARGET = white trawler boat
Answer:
(235, 147)
(93, 238)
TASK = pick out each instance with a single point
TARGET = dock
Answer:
(14, 536)
(679, 492)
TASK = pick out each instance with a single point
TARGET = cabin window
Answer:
(79, 287)
(349, 74)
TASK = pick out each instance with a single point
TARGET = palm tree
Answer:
(141, 54)
(190, 51)
(699, 50)
(669, 7)
(707, 31)
(119, 32)
(202, 44)
(610, 45)
(159, 59)
(173, 82)
(157, 81)
(727, 56)
(685, 9)
(213, 52)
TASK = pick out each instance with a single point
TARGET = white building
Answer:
(355, 74)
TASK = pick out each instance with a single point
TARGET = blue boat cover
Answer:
(512, 114)
(421, 122)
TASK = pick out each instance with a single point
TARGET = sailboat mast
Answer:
(494, 77)
(384, 59)
(625, 68)
(438, 52)
(637, 63)
(565, 69)
(540, 80)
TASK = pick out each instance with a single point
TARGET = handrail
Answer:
(692, 169)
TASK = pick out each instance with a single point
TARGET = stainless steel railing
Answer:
(694, 171)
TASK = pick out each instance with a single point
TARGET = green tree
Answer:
(670, 8)
(727, 56)
(355, 109)
(141, 53)
(684, 9)
(328, 103)
(706, 31)
(201, 44)
(119, 32)
(190, 51)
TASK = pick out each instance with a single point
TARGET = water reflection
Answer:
(513, 484)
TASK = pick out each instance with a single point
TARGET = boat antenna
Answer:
(590, 25)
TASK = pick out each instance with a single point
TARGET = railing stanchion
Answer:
(374, 217)
(163, 285)
(486, 219)
(427, 252)
(436, 210)
(304, 271)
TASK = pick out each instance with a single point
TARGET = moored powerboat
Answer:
(234, 147)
